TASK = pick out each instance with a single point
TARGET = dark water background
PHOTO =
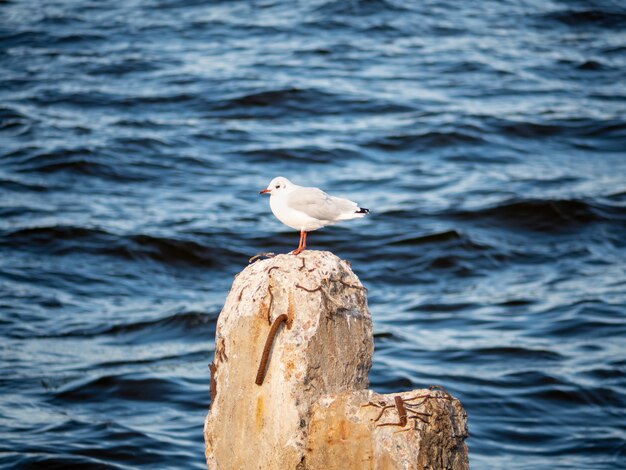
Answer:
(487, 137)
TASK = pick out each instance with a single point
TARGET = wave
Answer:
(544, 215)
(13, 122)
(66, 239)
(360, 8)
(450, 245)
(604, 18)
(172, 250)
(91, 443)
(144, 388)
(589, 319)
(592, 65)
(500, 353)
(603, 130)
(300, 101)
(427, 140)
(425, 258)
(14, 184)
(124, 66)
(192, 356)
(23, 38)
(586, 328)
(107, 100)
(531, 129)
(283, 97)
(574, 394)
(76, 161)
(619, 197)
(33, 458)
(181, 322)
(122, 387)
(190, 324)
(140, 144)
(445, 236)
(312, 154)
(441, 307)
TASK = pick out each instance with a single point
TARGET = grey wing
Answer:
(315, 203)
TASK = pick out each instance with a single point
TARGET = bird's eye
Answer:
(278, 186)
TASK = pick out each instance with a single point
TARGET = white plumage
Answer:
(308, 209)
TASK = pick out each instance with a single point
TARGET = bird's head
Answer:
(277, 185)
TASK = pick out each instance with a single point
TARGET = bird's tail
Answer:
(349, 209)
(359, 212)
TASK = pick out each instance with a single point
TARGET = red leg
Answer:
(302, 244)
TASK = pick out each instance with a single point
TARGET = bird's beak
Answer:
(265, 191)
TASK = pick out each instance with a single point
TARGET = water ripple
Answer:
(486, 137)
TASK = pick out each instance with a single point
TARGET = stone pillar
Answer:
(283, 414)
(364, 430)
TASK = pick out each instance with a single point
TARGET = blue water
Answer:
(488, 139)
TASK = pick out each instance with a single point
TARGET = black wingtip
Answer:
(363, 210)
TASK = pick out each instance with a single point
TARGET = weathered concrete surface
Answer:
(325, 347)
(312, 410)
(343, 432)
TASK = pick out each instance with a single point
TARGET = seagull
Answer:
(307, 209)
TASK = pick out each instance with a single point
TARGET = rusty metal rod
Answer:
(260, 375)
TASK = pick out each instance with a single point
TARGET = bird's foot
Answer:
(297, 251)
